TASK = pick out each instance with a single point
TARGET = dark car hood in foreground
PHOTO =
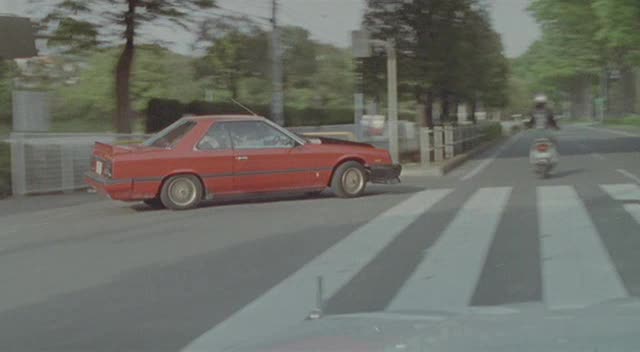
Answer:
(613, 326)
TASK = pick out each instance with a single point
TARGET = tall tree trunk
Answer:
(473, 106)
(445, 107)
(122, 119)
(428, 107)
(628, 90)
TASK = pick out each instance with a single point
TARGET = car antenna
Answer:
(244, 107)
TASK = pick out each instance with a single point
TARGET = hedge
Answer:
(163, 112)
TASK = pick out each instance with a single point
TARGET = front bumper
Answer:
(119, 189)
(387, 174)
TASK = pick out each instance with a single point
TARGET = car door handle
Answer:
(242, 158)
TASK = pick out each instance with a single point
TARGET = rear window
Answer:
(171, 135)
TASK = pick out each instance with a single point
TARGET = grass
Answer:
(631, 121)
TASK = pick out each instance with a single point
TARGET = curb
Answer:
(412, 170)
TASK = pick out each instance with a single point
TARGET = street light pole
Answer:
(392, 96)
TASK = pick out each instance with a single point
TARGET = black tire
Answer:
(181, 192)
(154, 203)
(349, 180)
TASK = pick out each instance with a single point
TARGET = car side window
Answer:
(217, 138)
(257, 135)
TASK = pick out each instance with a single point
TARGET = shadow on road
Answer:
(287, 197)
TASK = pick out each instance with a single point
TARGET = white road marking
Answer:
(289, 302)
(597, 156)
(629, 175)
(626, 192)
(576, 268)
(449, 273)
(483, 165)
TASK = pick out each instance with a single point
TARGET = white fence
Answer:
(53, 162)
(445, 142)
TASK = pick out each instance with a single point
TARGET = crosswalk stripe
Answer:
(626, 193)
(576, 268)
(290, 301)
(447, 277)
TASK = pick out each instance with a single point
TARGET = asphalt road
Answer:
(93, 275)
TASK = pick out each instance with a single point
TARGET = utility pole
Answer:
(277, 97)
(392, 100)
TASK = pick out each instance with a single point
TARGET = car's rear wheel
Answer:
(154, 203)
(181, 192)
(349, 180)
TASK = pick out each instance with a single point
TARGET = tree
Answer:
(441, 44)
(156, 73)
(584, 41)
(85, 24)
(235, 48)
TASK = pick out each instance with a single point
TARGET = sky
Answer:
(331, 21)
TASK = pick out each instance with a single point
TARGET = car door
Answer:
(214, 158)
(265, 158)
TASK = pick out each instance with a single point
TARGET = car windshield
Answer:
(218, 175)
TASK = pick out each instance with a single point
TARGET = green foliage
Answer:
(446, 47)
(234, 66)
(81, 25)
(580, 40)
(632, 121)
(619, 28)
(6, 76)
(157, 72)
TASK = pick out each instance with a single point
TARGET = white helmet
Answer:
(540, 99)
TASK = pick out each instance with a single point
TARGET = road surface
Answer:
(108, 276)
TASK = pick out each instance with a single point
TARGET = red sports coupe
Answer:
(203, 157)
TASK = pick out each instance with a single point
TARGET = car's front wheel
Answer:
(181, 192)
(349, 180)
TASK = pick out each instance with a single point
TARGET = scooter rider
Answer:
(542, 121)
(542, 116)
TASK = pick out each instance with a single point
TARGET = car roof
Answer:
(227, 117)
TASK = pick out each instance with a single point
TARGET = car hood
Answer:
(326, 140)
(612, 326)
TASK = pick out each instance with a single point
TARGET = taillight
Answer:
(542, 148)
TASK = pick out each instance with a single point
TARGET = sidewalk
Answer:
(24, 204)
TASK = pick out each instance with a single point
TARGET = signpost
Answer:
(362, 44)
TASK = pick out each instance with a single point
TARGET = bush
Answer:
(163, 112)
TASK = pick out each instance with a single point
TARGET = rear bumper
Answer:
(119, 189)
(387, 174)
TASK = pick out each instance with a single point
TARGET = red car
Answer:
(203, 157)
